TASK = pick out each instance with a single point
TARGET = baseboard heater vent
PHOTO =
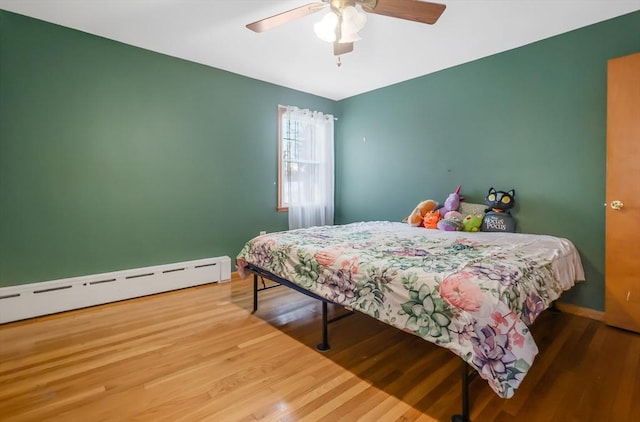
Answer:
(49, 297)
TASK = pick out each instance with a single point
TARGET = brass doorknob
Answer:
(616, 205)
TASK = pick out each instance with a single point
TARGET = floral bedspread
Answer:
(473, 293)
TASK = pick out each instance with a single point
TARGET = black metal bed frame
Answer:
(466, 375)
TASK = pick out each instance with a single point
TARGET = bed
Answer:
(472, 293)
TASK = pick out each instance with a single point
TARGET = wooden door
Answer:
(622, 263)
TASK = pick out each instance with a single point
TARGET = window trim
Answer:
(281, 110)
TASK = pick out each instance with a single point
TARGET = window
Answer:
(288, 152)
(305, 165)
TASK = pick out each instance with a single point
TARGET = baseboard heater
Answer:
(49, 297)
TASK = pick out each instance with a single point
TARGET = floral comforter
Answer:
(473, 293)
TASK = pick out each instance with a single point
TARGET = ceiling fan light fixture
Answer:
(352, 22)
(353, 19)
(326, 28)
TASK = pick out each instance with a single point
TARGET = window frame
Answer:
(280, 207)
(297, 143)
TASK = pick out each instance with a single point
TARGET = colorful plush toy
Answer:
(452, 203)
(452, 222)
(415, 219)
(431, 220)
(497, 217)
(472, 222)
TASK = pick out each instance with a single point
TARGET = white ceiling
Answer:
(212, 32)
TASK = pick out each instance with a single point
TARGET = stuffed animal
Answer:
(452, 203)
(472, 222)
(452, 222)
(415, 219)
(431, 220)
(497, 217)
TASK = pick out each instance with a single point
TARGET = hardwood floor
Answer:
(199, 354)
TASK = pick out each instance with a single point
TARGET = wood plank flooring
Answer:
(199, 354)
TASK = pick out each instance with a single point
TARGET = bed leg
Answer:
(465, 397)
(255, 292)
(324, 346)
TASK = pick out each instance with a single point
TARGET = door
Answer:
(622, 261)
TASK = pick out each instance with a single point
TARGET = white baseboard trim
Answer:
(48, 297)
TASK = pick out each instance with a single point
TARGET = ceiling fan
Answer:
(341, 25)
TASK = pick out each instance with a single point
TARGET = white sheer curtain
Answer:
(311, 179)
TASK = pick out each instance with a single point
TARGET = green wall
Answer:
(533, 119)
(113, 157)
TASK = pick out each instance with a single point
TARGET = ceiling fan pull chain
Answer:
(338, 62)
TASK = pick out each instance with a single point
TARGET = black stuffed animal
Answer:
(498, 217)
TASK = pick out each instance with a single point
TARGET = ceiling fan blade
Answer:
(342, 48)
(284, 17)
(413, 10)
